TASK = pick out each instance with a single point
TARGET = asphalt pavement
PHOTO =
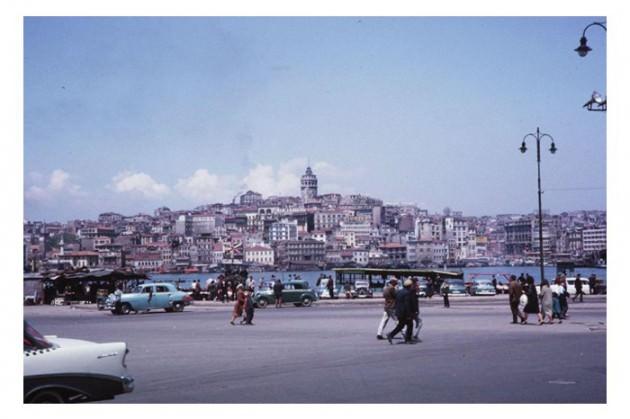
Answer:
(328, 353)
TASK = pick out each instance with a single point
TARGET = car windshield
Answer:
(33, 339)
(456, 283)
(136, 290)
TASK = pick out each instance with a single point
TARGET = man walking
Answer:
(389, 312)
(514, 291)
(278, 286)
(578, 289)
(404, 312)
(416, 308)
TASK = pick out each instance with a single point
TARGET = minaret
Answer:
(61, 250)
(309, 186)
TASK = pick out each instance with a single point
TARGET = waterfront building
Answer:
(395, 252)
(308, 187)
(593, 239)
(308, 250)
(518, 236)
(261, 255)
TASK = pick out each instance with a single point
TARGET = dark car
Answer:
(297, 292)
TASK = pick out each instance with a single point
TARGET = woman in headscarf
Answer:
(546, 298)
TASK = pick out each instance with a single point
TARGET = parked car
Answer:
(361, 288)
(482, 287)
(297, 292)
(571, 285)
(457, 287)
(58, 370)
(145, 297)
(422, 287)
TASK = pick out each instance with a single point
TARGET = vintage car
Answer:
(297, 292)
(60, 370)
(146, 297)
(482, 287)
(457, 288)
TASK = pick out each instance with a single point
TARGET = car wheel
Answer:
(307, 301)
(362, 292)
(178, 307)
(262, 303)
(47, 396)
(114, 311)
(125, 308)
(168, 309)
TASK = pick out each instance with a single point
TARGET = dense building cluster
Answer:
(310, 231)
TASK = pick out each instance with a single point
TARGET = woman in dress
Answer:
(239, 304)
(532, 306)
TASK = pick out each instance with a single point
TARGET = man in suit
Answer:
(404, 312)
(514, 290)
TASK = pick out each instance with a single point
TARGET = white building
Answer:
(261, 255)
(283, 230)
(593, 239)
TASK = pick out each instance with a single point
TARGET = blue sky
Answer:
(129, 114)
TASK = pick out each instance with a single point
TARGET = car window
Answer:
(161, 288)
(298, 286)
(288, 286)
(136, 290)
(147, 290)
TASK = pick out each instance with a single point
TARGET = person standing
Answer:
(494, 283)
(118, 299)
(331, 287)
(278, 286)
(578, 288)
(239, 304)
(445, 289)
(404, 312)
(592, 284)
(389, 309)
(514, 291)
(546, 299)
(249, 307)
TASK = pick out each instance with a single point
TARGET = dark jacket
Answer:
(404, 305)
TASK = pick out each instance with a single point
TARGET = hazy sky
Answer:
(129, 114)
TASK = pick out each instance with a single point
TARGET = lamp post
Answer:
(538, 136)
(583, 49)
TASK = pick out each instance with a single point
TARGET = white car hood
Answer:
(76, 356)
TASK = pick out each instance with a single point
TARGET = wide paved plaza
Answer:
(329, 353)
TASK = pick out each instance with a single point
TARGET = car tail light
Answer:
(187, 298)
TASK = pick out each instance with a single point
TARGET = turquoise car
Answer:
(297, 292)
(146, 297)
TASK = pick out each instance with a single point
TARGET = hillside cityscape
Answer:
(311, 231)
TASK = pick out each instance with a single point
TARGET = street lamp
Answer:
(584, 49)
(523, 148)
